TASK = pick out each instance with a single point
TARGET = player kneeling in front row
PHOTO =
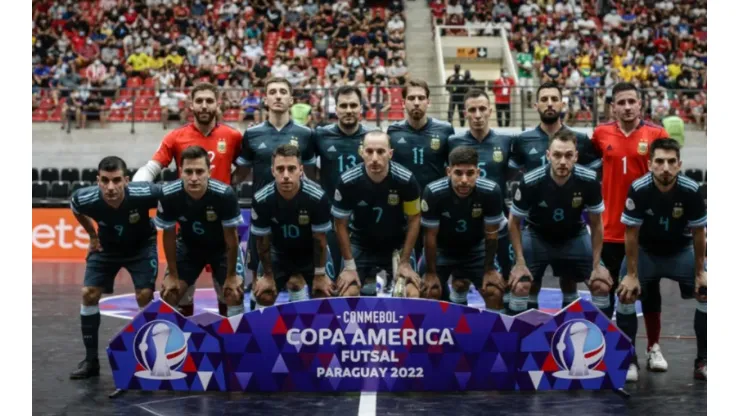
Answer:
(661, 208)
(290, 219)
(208, 214)
(125, 238)
(462, 214)
(551, 199)
(379, 201)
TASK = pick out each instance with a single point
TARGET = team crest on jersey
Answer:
(424, 205)
(133, 217)
(393, 198)
(518, 194)
(498, 155)
(303, 218)
(435, 143)
(577, 200)
(211, 214)
(221, 147)
(294, 141)
(477, 211)
(677, 211)
(642, 148)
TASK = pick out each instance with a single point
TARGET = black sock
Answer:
(90, 325)
(186, 310)
(222, 309)
(700, 328)
(628, 324)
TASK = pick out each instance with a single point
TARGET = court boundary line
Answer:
(147, 409)
(368, 403)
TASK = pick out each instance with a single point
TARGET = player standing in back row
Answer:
(125, 238)
(338, 150)
(222, 143)
(260, 141)
(529, 152)
(623, 146)
(419, 143)
(665, 215)
(493, 155)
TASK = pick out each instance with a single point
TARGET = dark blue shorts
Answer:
(465, 266)
(190, 264)
(570, 259)
(102, 267)
(371, 262)
(285, 266)
(678, 266)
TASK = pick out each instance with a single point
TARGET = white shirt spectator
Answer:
(171, 100)
(574, 80)
(228, 9)
(207, 59)
(253, 52)
(334, 69)
(613, 20)
(96, 71)
(660, 107)
(165, 79)
(396, 24)
(300, 52)
(456, 9)
(644, 33)
(529, 9)
(585, 26)
(396, 70)
(664, 5)
(295, 78)
(279, 69)
(675, 20)
(564, 8)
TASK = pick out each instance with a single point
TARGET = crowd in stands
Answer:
(123, 59)
(589, 45)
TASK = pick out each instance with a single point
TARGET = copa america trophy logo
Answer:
(578, 347)
(160, 347)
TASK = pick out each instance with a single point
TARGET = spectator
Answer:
(674, 125)
(396, 24)
(525, 63)
(251, 106)
(253, 50)
(170, 103)
(301, 111)
(502, 89)
(398, 72)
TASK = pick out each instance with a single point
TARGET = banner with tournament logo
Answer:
(370, 344)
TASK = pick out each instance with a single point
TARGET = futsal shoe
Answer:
(700, 369)
(633, 373)
(655, 360)
(86, 369)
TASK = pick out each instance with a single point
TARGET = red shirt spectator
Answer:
(662, 45)
(438, 9)
(502, 89)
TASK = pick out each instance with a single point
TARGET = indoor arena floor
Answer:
(57, 348)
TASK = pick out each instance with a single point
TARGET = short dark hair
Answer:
(204, 86)
(195, 152)
(624, 86)
(665, 144)
(347, 90)
(279, 80)
(415, 82)
(287, 150)
(464, 155)
(547, 85)
(112, 164)
(564, 135)
(475, 93)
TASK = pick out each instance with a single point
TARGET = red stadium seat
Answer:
(232, 115)
(56, 114)
(154, 114)
(395, 114)
(46, 103)
(40, 115)
(117, 115)
(133, 82)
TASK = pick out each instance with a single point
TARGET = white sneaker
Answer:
(655, 360)
(632, 373)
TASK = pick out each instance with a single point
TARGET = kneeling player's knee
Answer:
(295, 282)
(266, 299)
(91, 295)
(144, 296)
(459, 292)
(412, 291)
(351, 291)
(492, 292)
(599, 288)
(522, 289)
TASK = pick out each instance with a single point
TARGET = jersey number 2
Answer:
(211, 156)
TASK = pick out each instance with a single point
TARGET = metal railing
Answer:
(585, 107)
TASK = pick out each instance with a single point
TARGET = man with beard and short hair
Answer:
(661, 207)
(221, 142)
(290, 219)
(528, 152)
(461, 215)
(623, 146)
(552, 199)
(419, 143)
(338, 149)
(208, 214)
(379, 201)
(493, 155)
(260, 141)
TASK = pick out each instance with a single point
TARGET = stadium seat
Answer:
(169, 175)
(232, 115)
(50, 174)
(35, 174)
(90, 175)
(40, 189)
(695, 174)
(40, 115)
(77, 185)
(70, 174)
(245, 190)
(59, 190)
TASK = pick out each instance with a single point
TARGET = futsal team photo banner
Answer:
(57, 236)
(370, 344)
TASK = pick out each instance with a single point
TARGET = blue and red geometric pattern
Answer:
(370, 344)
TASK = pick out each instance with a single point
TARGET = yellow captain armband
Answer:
(411, 207)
